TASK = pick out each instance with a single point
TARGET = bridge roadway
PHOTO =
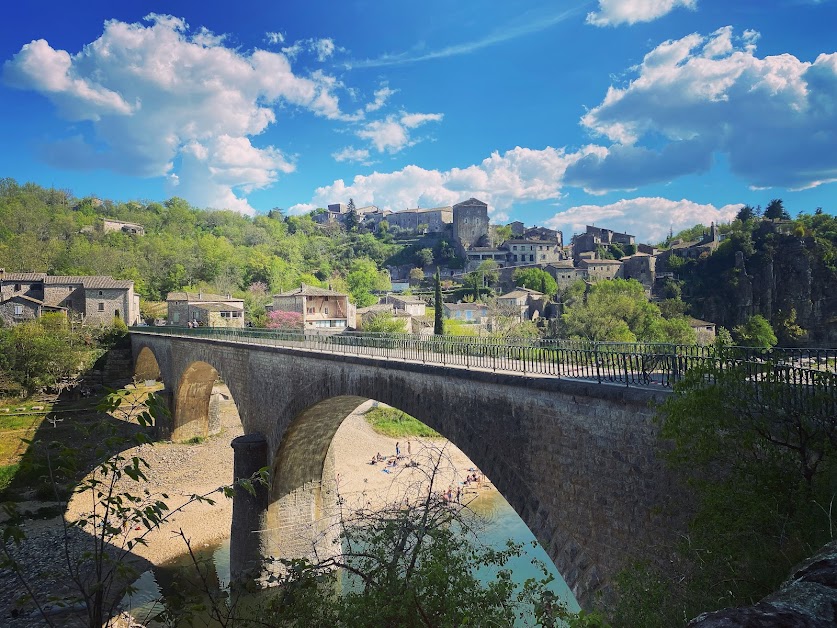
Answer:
(576, 458)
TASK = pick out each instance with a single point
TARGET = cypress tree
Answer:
(438, 323)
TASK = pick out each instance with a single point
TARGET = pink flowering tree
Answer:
(284, 321)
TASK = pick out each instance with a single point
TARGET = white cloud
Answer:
(393, 133)
(381, 97)
(649, 219)
(352, 154)
(518, 175)
(616, 12)
(774, 117)
(320, 48)
(275, 37)
(528, 25)
(166, 101)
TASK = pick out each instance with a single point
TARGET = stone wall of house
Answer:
(101, 306)
(29, 311)
(577, 460)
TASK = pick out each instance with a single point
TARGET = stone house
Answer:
(466, 312)
(598, 269)
(594, 237)
(523, 303)
(565, 274)
(109, 225)
(704, 330)
(437, 219)
(407, 304)
(90, 299)
(207, 309)
(641, 267)
(532, 251)
(321, 309)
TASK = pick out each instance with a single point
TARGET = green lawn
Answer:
(398, 424)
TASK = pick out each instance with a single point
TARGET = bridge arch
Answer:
(196, 402)
(146, 366)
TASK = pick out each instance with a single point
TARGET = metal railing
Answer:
(805, 373)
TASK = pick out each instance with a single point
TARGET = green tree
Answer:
(536, 279)
(424, 257)
(384, 323)
(762, 474)
(756, 332)
(439, 312)
(39, 355)
(776, 210)
(364, 278)
(618, 310)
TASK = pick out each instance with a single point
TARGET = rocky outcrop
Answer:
(781, 274)
(808, 599)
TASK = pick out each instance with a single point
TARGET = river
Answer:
(502, 524)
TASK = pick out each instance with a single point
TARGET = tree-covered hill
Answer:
(782, 269)
(48, 230)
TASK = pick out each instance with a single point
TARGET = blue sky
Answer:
(634, 114)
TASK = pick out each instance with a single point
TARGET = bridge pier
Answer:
(249, 510)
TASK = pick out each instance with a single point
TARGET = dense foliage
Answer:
(619, 311)
(47, 353)
(47, 230)
(763, 470)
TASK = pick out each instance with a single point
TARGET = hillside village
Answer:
(347, 268)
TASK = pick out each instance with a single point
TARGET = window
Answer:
(325, 310)
(69, 288)
(514, 247)
(101, 307)
(116, 314)
(18, 310)
(310, 310)
(531, 258)
(17, 287)
(176, 317)
(101, 294)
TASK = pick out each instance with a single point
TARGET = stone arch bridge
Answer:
(575, 458)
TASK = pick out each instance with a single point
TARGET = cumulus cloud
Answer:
(520, 174)
(649, 219)
(393, 133)
(322, 49)
(381, 97)
(352, 154)
(616, 12)
(774, 117)
(163, 100)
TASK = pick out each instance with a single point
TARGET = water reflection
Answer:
(499, 524)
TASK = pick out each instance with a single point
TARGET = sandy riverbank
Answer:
(182, 470)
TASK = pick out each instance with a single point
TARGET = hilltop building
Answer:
(110, 225)
(93, 300)
(435, 219)
(470, 224)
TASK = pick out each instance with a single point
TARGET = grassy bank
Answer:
(398, 424)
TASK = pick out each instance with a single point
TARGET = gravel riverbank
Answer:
(180, 470)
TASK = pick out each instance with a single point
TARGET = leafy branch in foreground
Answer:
(119, 514)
